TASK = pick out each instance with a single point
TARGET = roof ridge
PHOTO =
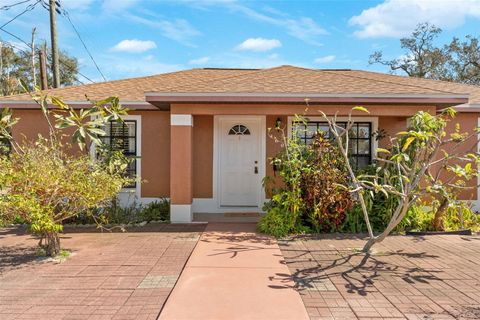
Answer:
(422, 79)
(398, 84)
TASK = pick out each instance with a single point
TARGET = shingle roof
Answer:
(283, 79)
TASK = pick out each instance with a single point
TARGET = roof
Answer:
(282, 80)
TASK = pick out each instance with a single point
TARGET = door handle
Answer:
(255, 170)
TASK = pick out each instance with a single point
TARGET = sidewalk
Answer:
(234, 273)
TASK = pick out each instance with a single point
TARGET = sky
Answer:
(130, 38)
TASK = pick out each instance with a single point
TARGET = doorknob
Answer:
(255, 170)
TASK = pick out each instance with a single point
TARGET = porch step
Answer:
(227, 217)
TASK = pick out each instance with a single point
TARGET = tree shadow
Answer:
(358, 271)
(16, 257)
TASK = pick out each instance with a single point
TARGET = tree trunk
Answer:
(439, 220)
(52, 247)
(396, 219)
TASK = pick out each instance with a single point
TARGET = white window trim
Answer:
(138, 133)
(372, 120)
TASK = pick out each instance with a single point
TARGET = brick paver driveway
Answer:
(109, 276)
(431, 277)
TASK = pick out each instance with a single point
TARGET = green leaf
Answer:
(407, 143)
(59, 103)
(382, 150)
(468, 167)
(359, 108)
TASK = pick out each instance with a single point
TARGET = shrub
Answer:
(47, 182)
(43, 185)
(277, 222)
(312, 194)
(114, 213)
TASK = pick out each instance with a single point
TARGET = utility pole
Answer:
(53, 37)
(43, 67)
(34, 74)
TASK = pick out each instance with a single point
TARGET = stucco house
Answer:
(201, 134)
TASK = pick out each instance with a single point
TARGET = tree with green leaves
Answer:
(458, 61)
(417, 165)
(16, 65)
(48, 181)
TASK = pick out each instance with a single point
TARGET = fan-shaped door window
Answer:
(239, 130)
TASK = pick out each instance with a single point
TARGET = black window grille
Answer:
(360, 139)
(122, 136)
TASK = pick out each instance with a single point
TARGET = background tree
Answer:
(457, 61)
(15, 66)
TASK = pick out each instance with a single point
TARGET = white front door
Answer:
(240, 164)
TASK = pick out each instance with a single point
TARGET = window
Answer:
(239, 130)
(360, 139)
(123, 137)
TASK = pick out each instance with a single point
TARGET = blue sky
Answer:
(130, 38)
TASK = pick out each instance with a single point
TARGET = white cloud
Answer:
(118, 5)
(134, 46)
(178, 30)
(77, 5)
(325, 59)
(121, 67)
(398, 18)
(199, 61)
(303, 28)
(258, 44)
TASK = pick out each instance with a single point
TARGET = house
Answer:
(201, 134)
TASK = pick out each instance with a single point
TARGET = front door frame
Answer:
(216, 161)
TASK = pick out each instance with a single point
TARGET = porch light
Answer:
(278, 123)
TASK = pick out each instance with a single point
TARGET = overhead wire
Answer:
(9, 6)
(67, 15)
(30, 7)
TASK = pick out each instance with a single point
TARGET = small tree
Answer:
(417, 165)
(47, 181)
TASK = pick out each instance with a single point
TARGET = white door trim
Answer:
(216, 161)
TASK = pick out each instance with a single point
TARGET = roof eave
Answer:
(30, 104)
(158, 98)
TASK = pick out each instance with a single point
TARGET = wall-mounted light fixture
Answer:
(278, 123)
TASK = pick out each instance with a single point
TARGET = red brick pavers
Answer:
(430, 277)
(108, 276)
(234, 273)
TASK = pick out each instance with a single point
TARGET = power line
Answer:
(62, 62)
(9, 6)
(18, 38)
(30, 7)
(30, 46)
(65, 13)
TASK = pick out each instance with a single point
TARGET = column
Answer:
(181, 169)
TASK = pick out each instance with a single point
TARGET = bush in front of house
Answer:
(133, 213)
(319, 181)
(312, 195)
(47, 181)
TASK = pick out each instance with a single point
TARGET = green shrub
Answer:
(312, 195)
(158, 210)
(458, 217)
(277, 222)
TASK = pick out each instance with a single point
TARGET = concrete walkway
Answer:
(234, 273)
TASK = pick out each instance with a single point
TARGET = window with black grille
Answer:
(360, 139)
(122, 136)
